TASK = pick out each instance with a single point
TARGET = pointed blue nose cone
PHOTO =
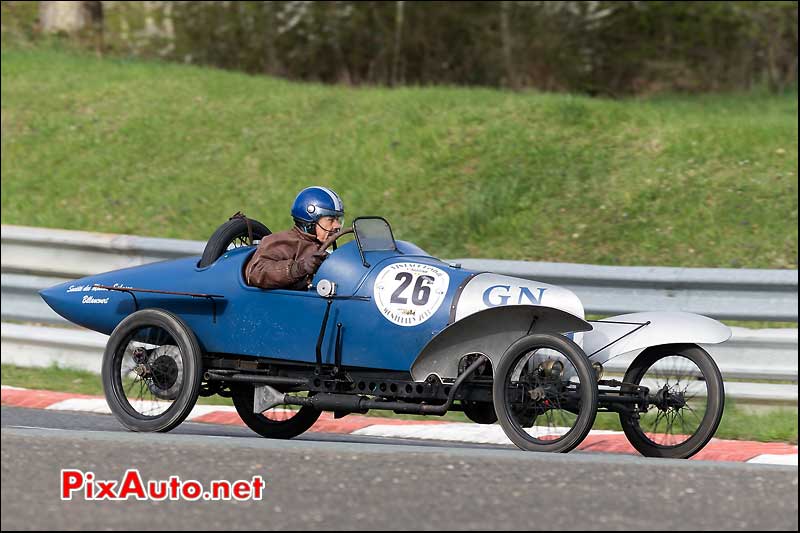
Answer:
(83, 303)
(71, 299)
(48, 295)
(56, 298)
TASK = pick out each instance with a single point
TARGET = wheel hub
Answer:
(666, 399)
(142, 370)
(538, 394)
(166, 372)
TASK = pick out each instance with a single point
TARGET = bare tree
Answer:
(74, 19)
(505, 30)
(398, 41)
(271, 63)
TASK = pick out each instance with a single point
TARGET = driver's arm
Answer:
(277, 264)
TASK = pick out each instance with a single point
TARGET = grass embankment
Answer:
(167, 150)
(765, 424)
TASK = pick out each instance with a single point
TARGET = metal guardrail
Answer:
(721, 293)
(35, 258)
(40, 346)
(21, 302)
(69, 254)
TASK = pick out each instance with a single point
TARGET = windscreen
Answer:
(374, 234)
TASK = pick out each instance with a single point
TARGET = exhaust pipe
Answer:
(216, 375)
(267, 397)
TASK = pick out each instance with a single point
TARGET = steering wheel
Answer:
(332, 239)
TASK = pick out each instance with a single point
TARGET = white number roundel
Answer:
(408, 294)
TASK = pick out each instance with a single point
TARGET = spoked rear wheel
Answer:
(545, 393)
(152, 369)
(687, 398)
(279, 422)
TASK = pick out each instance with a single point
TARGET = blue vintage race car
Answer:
(386, 326)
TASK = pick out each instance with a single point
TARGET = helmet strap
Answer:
(305, 227)
(328, 232)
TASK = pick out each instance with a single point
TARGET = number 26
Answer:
(421, 292)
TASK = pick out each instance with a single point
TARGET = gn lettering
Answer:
(498, 295)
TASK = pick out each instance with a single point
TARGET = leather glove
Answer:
(308, 265)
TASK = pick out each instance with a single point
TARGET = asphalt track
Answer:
(348, 482)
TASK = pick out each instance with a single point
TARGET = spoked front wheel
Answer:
(545, 393)
(686, 399)
(152, 369)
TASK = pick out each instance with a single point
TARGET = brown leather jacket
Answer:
(281, 260)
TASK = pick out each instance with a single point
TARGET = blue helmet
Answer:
(314, 203)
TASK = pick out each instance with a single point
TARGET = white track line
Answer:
(457, 431)
(202, 410)
(99, 405)
(86, 405)
(772, 459)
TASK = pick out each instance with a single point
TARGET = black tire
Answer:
(510, 417)
(165, 330)
(711, 379)
(298, 424)
(232, 234)
(480, 412)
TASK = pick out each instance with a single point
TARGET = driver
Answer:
(289, 259)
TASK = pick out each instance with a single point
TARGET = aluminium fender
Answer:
(666, 327)
(489, 332)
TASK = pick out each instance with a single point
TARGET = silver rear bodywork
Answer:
(492, 311)
(636, 331)
(487, 290)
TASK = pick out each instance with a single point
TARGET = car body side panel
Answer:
(285, 324)
(276, 323)
(246, 320)
(608, 339)
(369, 338)
(487, 290)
